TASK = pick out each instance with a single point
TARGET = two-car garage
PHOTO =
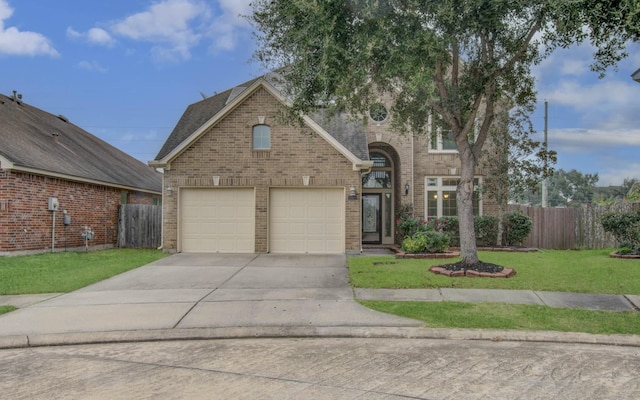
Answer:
(299, 220)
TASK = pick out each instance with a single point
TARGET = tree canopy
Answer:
(465, 60)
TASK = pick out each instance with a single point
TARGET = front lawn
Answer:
(67, 271)
(583, 271)
(512, 316)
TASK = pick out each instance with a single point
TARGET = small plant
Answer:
(517, 227)
(428, 241)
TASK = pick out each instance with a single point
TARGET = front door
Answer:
(371, 218)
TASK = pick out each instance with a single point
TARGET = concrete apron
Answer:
(189, 291)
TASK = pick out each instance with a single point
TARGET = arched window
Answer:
(261, 137)
(380, 175)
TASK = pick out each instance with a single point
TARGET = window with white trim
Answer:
(261, 137)
(440, 197)
(441, 138)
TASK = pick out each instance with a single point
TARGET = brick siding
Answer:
(26, 223)
(225, 150)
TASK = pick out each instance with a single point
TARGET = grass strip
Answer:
(67, 271)
(6, 309)
(582, 271)
(512, 317)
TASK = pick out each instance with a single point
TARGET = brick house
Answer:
(237, 180)
(51, 169)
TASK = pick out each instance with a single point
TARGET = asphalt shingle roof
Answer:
(351, 135)
(35, 139)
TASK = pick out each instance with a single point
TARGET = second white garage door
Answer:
(306, 220)
(217, 220)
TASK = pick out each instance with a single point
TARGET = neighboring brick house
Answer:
(46, 160)
(238, 180)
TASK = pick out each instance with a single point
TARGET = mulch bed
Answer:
(482, 270)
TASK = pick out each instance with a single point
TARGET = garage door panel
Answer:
(305, 220)
(217, 220)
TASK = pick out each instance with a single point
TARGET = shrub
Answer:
(451, 228)
(486, 227)
(426, 241)
(624, 226)
(517, 226)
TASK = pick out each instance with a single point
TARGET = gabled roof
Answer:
(33, 140)
(636, 75)
(346, 136)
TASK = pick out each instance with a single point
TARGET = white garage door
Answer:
(217, 220)
(306, 220)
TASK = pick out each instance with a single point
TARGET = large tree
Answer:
(459, 59)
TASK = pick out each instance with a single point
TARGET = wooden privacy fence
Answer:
(139, 226)
(570, 228)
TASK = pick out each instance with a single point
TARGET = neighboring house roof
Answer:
(35, 141)
(636, 75)
(348, 137)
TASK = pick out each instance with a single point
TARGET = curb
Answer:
(67, 339)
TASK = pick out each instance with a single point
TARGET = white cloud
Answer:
(91, 66)
(167, 25)
(615, 175)
(94, 36)
(100, 36)
(577, 140)
(22, 43)
(226, 28)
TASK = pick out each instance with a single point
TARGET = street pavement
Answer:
(216, 326)
(322, 368)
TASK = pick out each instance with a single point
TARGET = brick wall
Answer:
(26, 224)
(416, 163)
(225, 150)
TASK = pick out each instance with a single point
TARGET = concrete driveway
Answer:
(186, 291)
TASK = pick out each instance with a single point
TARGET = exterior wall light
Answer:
(169, 191)
(406, 189)
(352, 193)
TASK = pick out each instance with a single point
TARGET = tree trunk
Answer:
(500, 224)
(468, 247)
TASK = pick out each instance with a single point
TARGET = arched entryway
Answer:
(379, 193)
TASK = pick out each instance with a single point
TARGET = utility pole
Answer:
(546, 145)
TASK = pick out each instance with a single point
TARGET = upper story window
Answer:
(440, 136)
(261, 137)
(378, 112)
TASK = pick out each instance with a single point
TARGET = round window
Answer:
(378, 112)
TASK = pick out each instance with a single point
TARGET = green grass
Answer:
(584, 271)
(6, 309)
(512, 317)
(67, 271)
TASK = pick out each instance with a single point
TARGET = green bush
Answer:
(486, 228)
(624, 226)
(450, 227)
(517, 226)
(426, 241)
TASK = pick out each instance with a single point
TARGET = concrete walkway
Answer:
(211, 295)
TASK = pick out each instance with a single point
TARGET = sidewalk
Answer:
(600, 302)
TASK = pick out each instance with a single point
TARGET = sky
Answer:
(125, 71)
